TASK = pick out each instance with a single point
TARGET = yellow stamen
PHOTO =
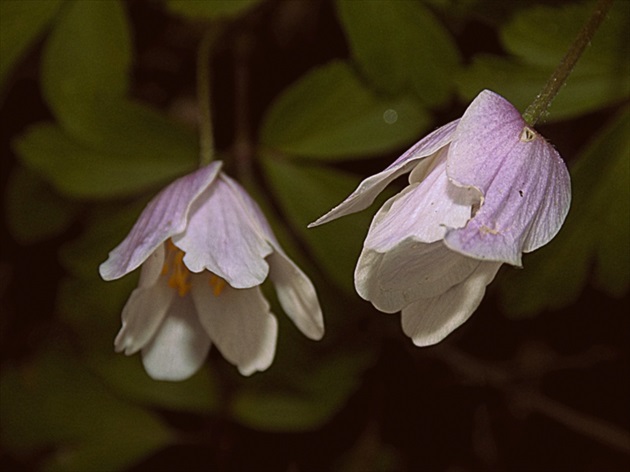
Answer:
(174, 265)
(217, 284)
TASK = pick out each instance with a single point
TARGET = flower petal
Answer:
(180, 346)
(368, 190)
(295, 290)
(223, 237)
(428, 321)
(151, 268)
(143, 313)
(163, 217)
(297, 295)
(524, 181)
(409, 272)
(422, 211)
(239, 323)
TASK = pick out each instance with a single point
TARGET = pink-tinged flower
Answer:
(205, 248)
(482, 190)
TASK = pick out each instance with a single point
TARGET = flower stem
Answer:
(543, 100)
(206, 137)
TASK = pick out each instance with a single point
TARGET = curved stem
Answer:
(206, 137)
(542, 102)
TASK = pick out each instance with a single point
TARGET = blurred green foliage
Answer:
(401, 48)
(536, 39)
(202, 9)
(329, 114)
(83, 427)
(22, 23)
(97, 164)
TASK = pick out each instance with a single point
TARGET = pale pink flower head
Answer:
(482, 191)
(204, 249)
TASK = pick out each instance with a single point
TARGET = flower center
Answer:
(174, 265)
(179, 275)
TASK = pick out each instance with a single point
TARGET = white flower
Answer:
(482, 190)
(205, 248)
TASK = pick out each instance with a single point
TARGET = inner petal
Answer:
(423, 211)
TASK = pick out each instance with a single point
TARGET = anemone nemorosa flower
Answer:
(205, 248)
(482, 190)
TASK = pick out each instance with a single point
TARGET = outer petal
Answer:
(239, 323)
(409, 272)
(163, 217)
(223, 237)
(369, 189)
(296, 292)
(297, 295)
(180, 346)
(524, 181)
(428, 321)
(422, 211)
(146, 308)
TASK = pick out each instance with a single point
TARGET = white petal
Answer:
(142, 315)
(409, 272)
(422, 211)
(239, 323)
(151, 269)
(180, 346)
(428, 321)
(369, 188)
(297, 295)
(163, 217)
(223, 237)
(296, 292)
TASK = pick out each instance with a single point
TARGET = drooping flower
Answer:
(205, 248)
(482, 190)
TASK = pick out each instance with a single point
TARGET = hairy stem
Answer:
(543, 100)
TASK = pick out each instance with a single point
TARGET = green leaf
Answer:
(21, 23)
(541, 35)
(198, 9)
(596, 232)
(538, 38)
(56, 407)
(34, 212)
(401, 47)
(86, 62)
(330, 114)
(305, 193)
(80, 171)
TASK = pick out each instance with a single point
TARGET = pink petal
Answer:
(368, 190)
(423, 211)
(295, 290)
(165, 216)
(524, 181)
(223, 237)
